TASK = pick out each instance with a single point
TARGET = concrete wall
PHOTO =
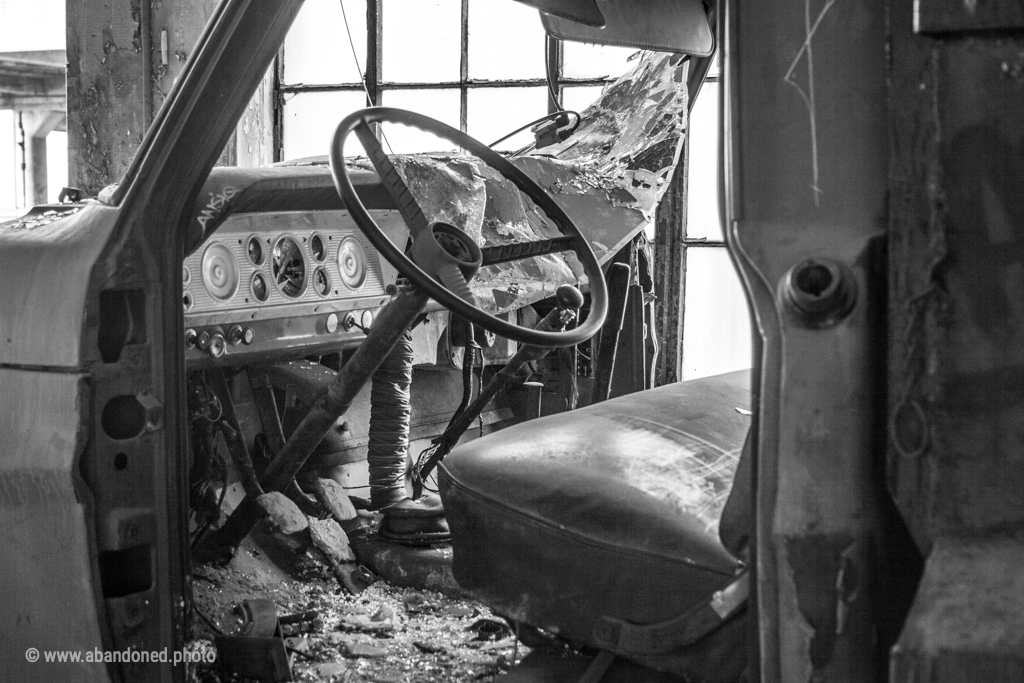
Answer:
(123, 58)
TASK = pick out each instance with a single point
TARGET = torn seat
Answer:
(601, 525)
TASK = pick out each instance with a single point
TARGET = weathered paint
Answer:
(108, 87)
(805, 167)
(45, 526)
(47, 263)
(955, 460)
(957, 253)
(965, 625)
(105, 90)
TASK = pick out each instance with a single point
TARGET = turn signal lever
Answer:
(570, 300)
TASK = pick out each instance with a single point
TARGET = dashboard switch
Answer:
(350, 321)
(218, 345)
(235, 335)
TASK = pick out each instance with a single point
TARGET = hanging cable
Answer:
(549, 77)
(546, 117)
(359, 70)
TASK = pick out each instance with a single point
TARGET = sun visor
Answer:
(665, 25)
(582, 11)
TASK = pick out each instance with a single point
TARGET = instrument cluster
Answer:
(267, 285)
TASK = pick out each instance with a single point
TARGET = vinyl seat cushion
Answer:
(612, 509)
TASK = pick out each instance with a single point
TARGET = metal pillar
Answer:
(122, 63)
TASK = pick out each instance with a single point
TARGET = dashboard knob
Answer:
(235, 335)
(332, 323)
(190, 338)
(203, 340)
(248, 336)
(349, 322)
(218, 345)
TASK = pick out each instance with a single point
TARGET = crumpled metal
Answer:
(609, 176)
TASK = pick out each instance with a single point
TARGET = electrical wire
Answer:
(359, 69)
(548, 77)
(546, 117)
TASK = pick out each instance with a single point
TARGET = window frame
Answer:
(374, 86)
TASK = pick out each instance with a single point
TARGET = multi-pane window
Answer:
(716, 327)
(480, 66)
(477, 65)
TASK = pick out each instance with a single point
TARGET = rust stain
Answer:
(815, 560)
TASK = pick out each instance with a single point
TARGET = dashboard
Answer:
(271, 285)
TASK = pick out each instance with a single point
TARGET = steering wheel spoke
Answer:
(393, 183)
(443, 258)
(503, 253)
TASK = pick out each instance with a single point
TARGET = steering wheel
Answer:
(448, 253)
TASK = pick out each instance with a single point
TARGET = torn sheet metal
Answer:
(608, 176)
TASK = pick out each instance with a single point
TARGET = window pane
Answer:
(317, 48)
(506, 40)
(492, 113)
(579, 97)
(716, 66)
(442, 105)
(10, 196)
(702, 216)
(56, 164)
(583, 60)
(716, 327)
(422, 41)
(310, 119)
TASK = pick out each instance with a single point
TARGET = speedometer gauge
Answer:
(289, 267)
(352, 263)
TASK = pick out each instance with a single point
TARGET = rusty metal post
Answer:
(670, 272)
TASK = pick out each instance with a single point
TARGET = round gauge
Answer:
(316, 245)
(352, 263)
(220, 271)
(255, 251)
(259, 287)
(321, 281)
(288, 264)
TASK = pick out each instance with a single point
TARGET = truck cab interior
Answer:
(312, 350)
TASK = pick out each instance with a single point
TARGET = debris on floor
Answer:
(383, 634)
